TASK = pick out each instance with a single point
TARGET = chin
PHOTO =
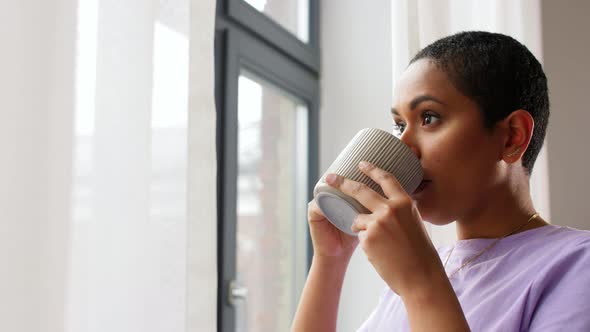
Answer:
(438, 222)
(432, 216)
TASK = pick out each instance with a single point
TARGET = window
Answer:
(267, 102)
(292, 15)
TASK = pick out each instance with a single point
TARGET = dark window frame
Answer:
(268, 29)
(244, 44)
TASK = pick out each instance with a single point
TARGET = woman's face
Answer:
(445, 129)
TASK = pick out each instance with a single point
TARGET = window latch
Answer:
(237, 292)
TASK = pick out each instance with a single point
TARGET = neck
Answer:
(502, 211)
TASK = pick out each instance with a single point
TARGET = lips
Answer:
(424, 184)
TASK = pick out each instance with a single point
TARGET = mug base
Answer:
(340, 209)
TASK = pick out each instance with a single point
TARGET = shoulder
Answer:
(565, 232)
(562, 240)
(558, 260)
(562, 280)
(559, 249)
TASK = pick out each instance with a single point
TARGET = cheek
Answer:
(460, 163)
(445, 152)
(457, 182)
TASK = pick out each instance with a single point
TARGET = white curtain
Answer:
(202, 174)
(416, 24)
(108, 166)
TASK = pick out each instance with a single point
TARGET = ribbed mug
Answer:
(383, 150)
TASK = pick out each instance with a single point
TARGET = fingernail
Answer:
(364, 164)
(331, 178)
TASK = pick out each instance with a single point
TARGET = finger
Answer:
(360, 223)
(359, 191)
(362, 235)
(383, 178)
(314, 213)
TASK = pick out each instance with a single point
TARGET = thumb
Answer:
(314, 213)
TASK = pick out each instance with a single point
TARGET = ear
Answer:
(519, 127)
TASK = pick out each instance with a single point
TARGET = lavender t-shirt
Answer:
(537, 280)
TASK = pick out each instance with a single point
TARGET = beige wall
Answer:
(566, 48)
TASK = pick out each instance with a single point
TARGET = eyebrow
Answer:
(420, 99)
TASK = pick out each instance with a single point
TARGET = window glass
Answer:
(292, 15)
(271, 255)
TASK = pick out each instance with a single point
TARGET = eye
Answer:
(398, 128)
(429, 118)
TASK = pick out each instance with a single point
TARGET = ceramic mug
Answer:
(383, 150)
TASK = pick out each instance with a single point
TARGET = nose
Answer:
(411, 143)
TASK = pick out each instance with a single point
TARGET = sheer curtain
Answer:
(201, 310)
(108, 166)
(416, 24)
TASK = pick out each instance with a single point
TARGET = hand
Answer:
(392, 235)
(328, 241)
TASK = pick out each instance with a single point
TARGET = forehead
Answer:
(423, 77)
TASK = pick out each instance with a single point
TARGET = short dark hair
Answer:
(500, 74)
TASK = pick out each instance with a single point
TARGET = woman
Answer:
(474, 109)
